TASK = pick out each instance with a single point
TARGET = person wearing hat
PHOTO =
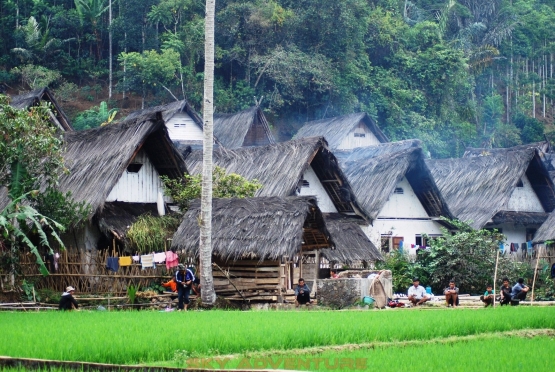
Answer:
(184, 279)
(417, 294)
(67, 302)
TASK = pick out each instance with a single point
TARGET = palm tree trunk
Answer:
(205, 250)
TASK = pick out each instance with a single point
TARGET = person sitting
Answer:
(451, 294)
(417, 294)
(171, 285)
(519, 292)
(67, 302)
(302, 293)
(333, 274)
(505, 292)
(487, 297)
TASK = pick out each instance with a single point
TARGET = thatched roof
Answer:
(335, 129)
(547, 230)
(375, 171)
(168, 111)
(351, 243)
(519, 218)
(246, 128)
(97, 158)
(116, 217)
(280, 168)
(542, 147)
(477, 188)
(34, 98)
(260, 228)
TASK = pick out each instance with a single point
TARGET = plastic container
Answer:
(429, 290)
(368, 300)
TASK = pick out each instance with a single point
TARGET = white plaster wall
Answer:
(525, 199)
(190, 132)
(408, 229)
(140, 187)
(403, 205)
(514, 234)
(316, 189)
(351, 142)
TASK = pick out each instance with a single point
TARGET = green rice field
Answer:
(417, 339)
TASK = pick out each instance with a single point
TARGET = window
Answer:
(134, 167)
(520, 183)
(399, 190)
(179, 125)
(360, 134)
(386, 243)
(305, 183)
(397, 242)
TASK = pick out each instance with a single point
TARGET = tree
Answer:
(30, 152)
(205, 250)
(91, 11)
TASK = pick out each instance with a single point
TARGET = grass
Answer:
(146, 337)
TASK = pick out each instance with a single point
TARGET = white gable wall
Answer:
(402, 216)
(525, 199)
(181, 127)
(316, 189)
(140, 187)
(354, 139)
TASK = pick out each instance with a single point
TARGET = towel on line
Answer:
(172, 260)
(147, 260)
(125, 261)
(112, 263)
(159, 257)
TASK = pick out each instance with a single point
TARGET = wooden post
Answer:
(316, 271)
(534, 281)
(495, 277)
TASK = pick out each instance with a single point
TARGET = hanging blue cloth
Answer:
(401, 246)
(529, 245)
(501, 247)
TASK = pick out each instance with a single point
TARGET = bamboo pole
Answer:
(495, 277)
(534, 281)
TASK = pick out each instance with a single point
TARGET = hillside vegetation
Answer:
(452, 73)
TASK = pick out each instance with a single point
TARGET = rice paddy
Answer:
(410, 338)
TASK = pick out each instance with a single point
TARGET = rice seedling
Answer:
(140, 337)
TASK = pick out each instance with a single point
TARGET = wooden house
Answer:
(34, 98)
(257, 244)
(507, 189)
(396, 190)
(116, 169)
(303, 167)
(245, 128)
(345, 132)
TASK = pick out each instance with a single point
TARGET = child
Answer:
(487, 298)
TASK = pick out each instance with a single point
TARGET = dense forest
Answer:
(452, 73)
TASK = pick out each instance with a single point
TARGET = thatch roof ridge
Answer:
(542, 148)
(26, 100)
(375, 171)
(278, 166)
(262, 228)
(168, 110)
(336, 128)
(351, 243)
(476, 188)
(96, 158)
(231, 129)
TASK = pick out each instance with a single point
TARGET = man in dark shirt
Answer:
(451, 294)
(67, 302)
(302, 293)
(505, 292)
(519, 292)
(184, 279)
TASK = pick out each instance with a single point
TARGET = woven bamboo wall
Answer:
(87, 272)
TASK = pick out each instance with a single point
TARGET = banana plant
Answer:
(18, 217)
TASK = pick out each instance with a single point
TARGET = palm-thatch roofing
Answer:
(335, 129)
(375, 171)
(96, 158)
(478, 188)
(116, 217)
(34, 98)
(252, 228)
(246, 128)
(169, 110)
(351, 243)
(547, 230)
(280, 168)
